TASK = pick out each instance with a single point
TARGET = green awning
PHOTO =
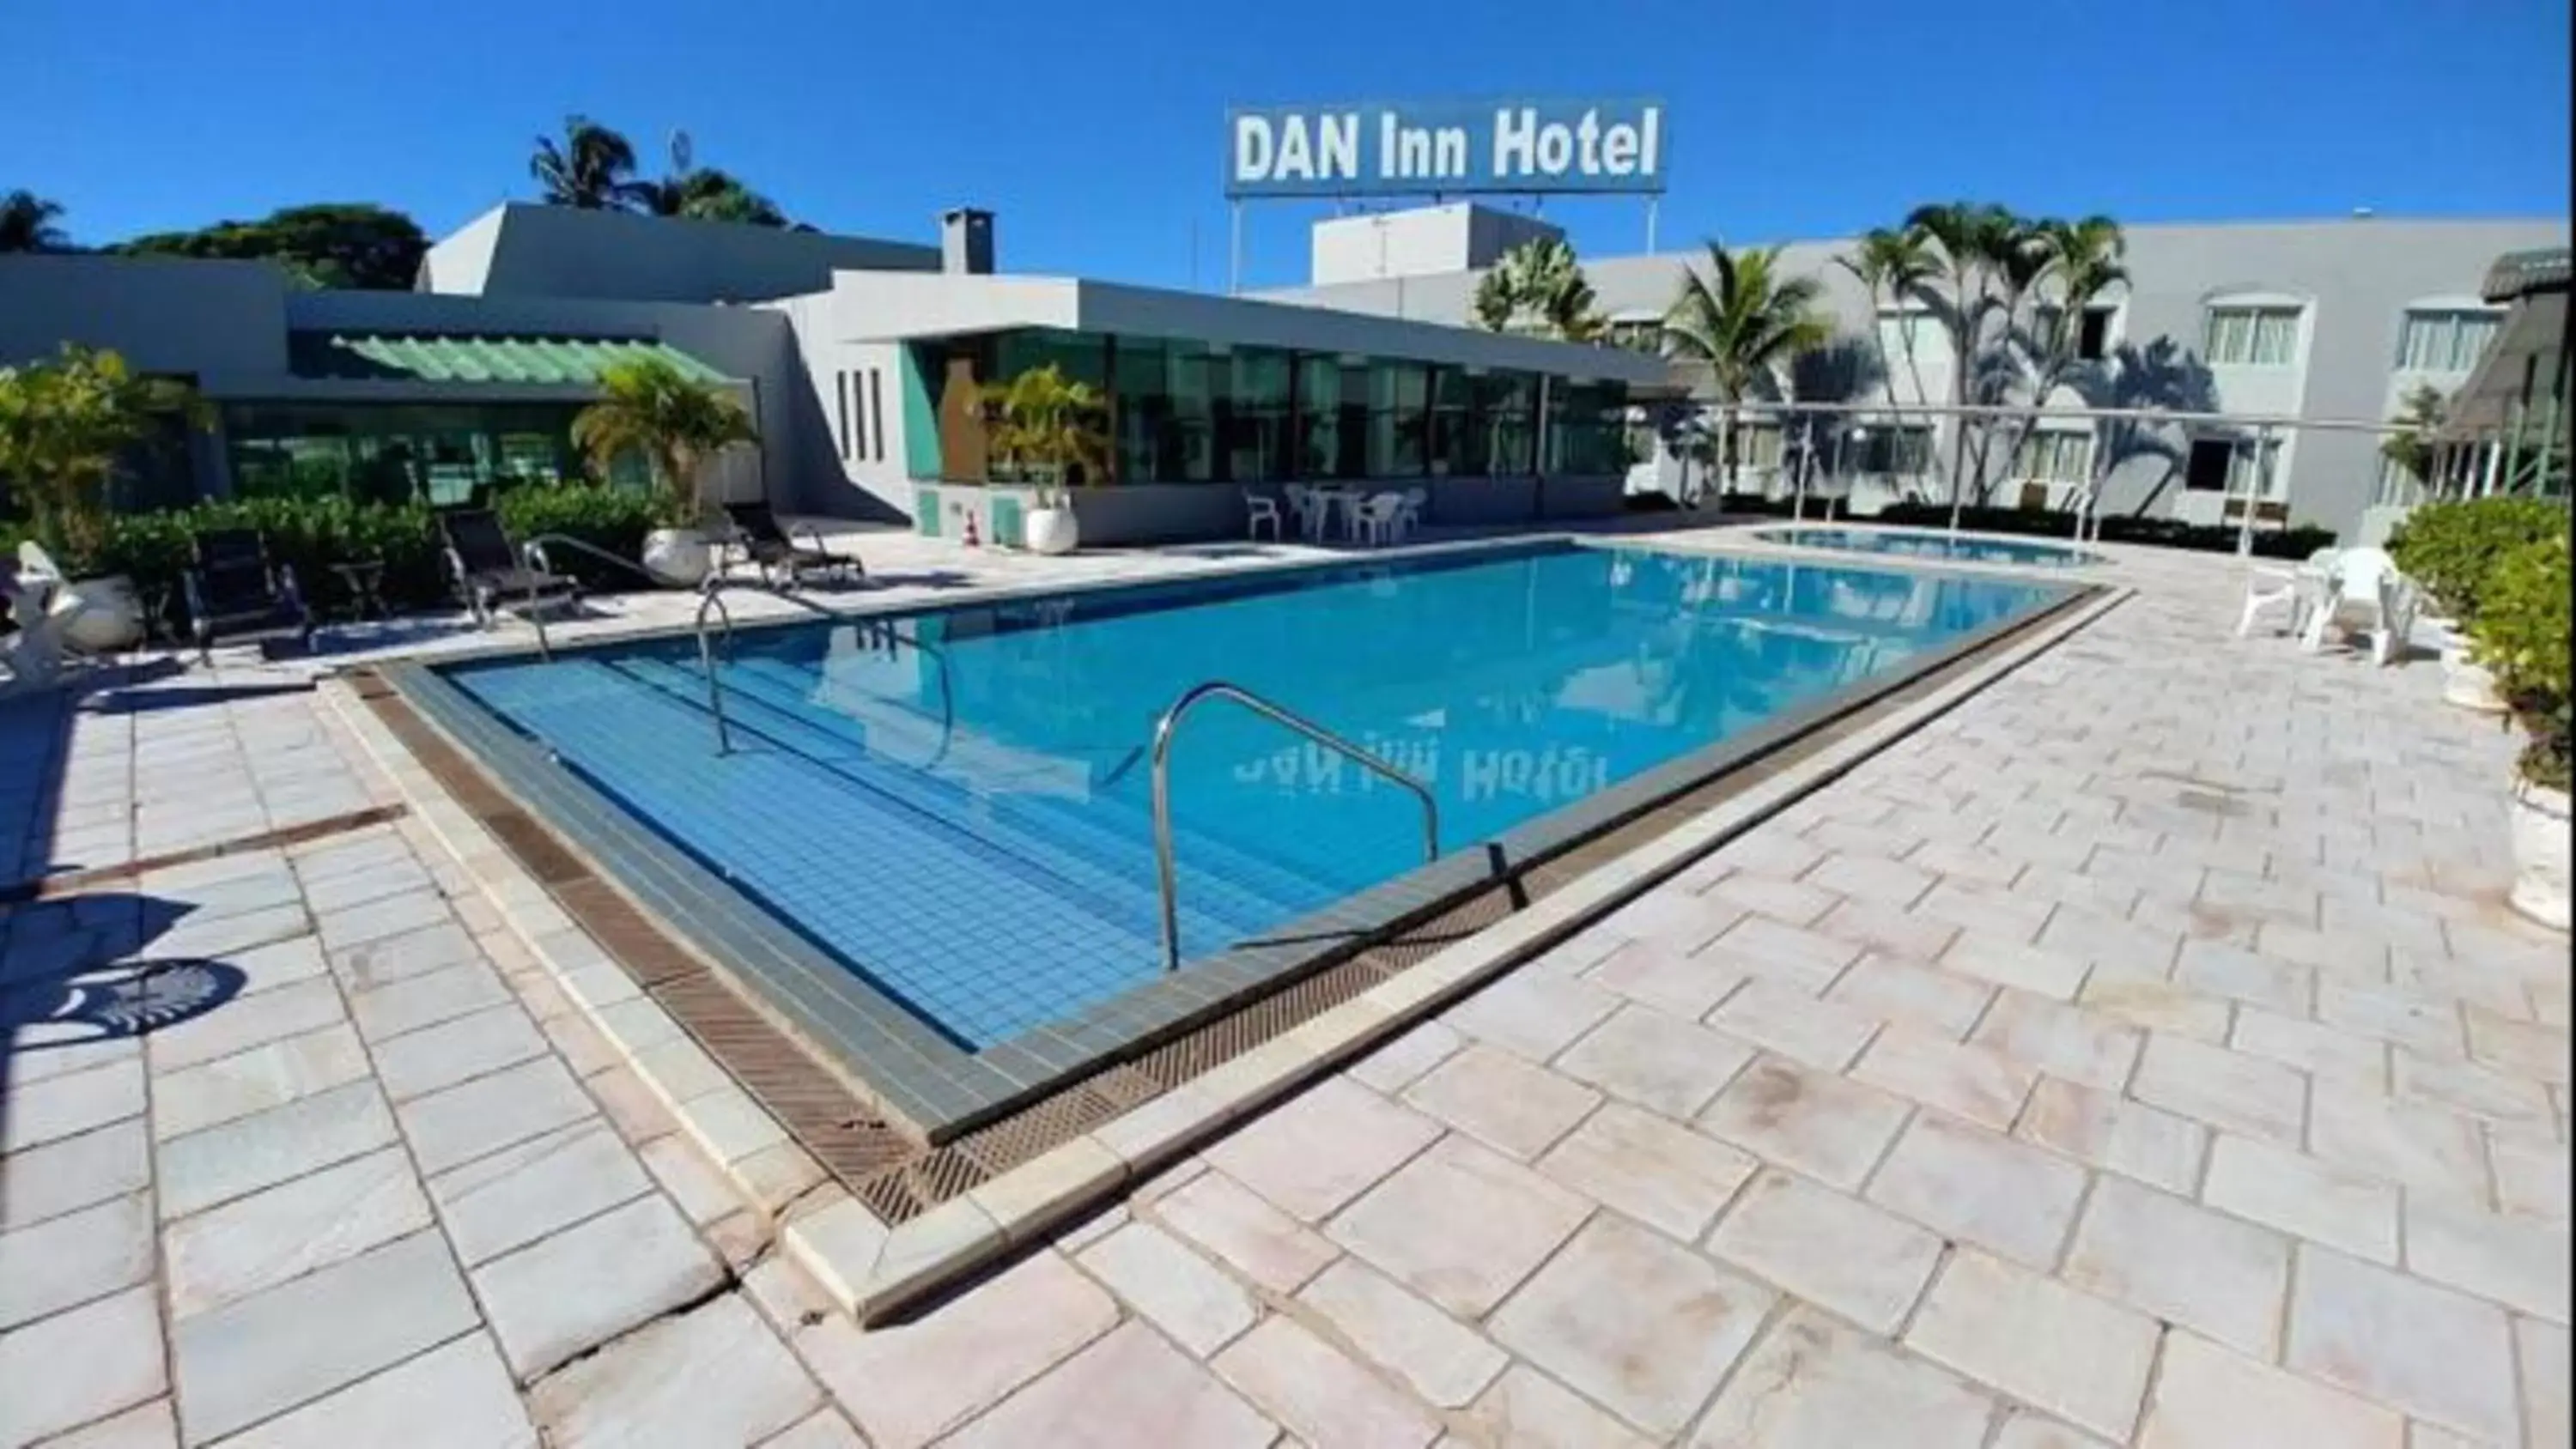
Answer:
(402, 357)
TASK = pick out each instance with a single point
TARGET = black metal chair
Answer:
(488, 571)
(774, 550)
(235, 594)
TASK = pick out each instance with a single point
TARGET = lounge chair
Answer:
(2300, 590)
(235, 594)
(2367, 597)
(774, 550)
(488, 570)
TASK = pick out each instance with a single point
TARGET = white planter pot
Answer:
(100, 616)
(2540, 843)
(680, 557)
(1051, 530)
(2466, 683)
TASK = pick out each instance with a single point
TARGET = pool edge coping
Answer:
(870, 1268)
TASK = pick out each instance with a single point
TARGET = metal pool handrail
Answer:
(1276, 714)
(713, 591)
(534, 552)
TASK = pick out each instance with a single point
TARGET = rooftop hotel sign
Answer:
(1409, 148)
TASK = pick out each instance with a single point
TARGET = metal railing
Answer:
(714, 591)
(533, 554)
(1163, 732)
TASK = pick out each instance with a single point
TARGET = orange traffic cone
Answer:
(971, 540)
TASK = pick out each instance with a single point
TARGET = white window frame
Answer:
(2452, 311)
(2258, 307)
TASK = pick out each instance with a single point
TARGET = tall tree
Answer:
(592, 167)
(1964, 238)
(27, 224)
(2411, 448)
(2061, 268)
(1538, 288)
(649, 407)
(65, 429)
(703, 193)
(1746, 323)
(332, 244)
(1892, 264)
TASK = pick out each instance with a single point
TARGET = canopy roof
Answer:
(453, 358)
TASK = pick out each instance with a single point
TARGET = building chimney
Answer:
(966, 241)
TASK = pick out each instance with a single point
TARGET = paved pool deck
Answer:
(2140, 1053)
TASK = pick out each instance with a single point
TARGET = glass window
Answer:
(1457, 446)
(1759, 445)
(2444, 340)
(1399, 395)
(1587, 429)
(1910, 331)
(2055, 456)
(2251, 336)
(1319, 418)
(404, 452)
(1505, 406)
(1256, 416)
(2240, 470)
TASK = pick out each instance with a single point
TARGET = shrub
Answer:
(2297, 541)
(2451, 550)
(311, 534)
(2521, 633)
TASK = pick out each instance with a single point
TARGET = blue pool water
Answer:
(1957, 549)
(968, 825)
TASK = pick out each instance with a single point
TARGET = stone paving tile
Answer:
(822, 1429)
(53, 1265)
(2291, 1041)
(252, 1081)
(1867, 1265)
(1794, 1024)
(1634, 1322)
(66, 1175)
(2160, 1007)
(2011, 961)
(1393, 1066)
(703, 1193)
(2067, 1352)
(2518, 1262)
(263, 1354)
(1525, 1409)
(378, 919)
(1973, 1082)
(465, 1121)
(588, 1283)
(454, 1051)
(2023, 1429)
(1787, 901)
(1536, 1016)
(1871, 879)
(1442, 1362)
(1177, 1290)
(240, 1157)
(1257, 1240)
(1992, 914)
(1897, 990)
(1788, 957)
(2533, 1176)
(2216, 968)
(2226, 1089)
(2539, 1053)
(2207, 1397)
(2468, 1087)
(521, 1193)
(1317, 1152)
(1321, 1396)
(2544, 1354)
(1655, 1171)
(1502, 1101)
(1812, 1383)
(2186, 1265)
(1976, 1187)
(80, 1365)
(1128, 1388)
(388, 959)
(712, 1375)
(1657, 1061)
(1673, 915)
(908, 1383)
(245, 1022)
(299, 1226)
(457, 1393)
(2303, 1196)
(2402, 1342)
(153, 1425)
(426, 1000)
(2426, 1148)
(1666, 978)
(1460, 1225)
(1825, 1126)
(2063, 1041)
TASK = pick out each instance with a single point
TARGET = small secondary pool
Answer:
(960, 813)
(1957, 548)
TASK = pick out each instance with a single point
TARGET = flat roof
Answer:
(904, 306)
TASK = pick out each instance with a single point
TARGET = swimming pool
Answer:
(1957, 548)
(955, 811)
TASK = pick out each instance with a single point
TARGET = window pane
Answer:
(1257, 421)
(1505, 406)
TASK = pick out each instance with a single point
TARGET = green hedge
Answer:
(313, 533)
(2297, 541)
(2452, 550)
(2521, 632)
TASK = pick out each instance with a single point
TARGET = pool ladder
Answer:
(714, 590)
(1276, 714)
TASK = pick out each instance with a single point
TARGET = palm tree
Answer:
(27, 224)
(1965, 237)
(1539, 288)
(2084, 260)
(703, 193)
(1892, 263)
(1746, 323)
(648, 406)
(592, 168)
(1047, 425)
(2411, 449)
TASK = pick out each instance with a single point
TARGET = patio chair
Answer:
(1258, 509)
(1309, 508)
(1378, 518)
(2367, 596)
(1409, 517)
(488, 570)
(236, 595)
(774, 550)
(2299, 589)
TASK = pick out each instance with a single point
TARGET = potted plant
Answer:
(648, 406)
(1046, 430)
(2451, 550)
(2521, 634)
(66, 427)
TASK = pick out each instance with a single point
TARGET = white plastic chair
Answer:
(1409, 517)
(2300, 588)
(2369, 597)
(1309, 510)
(1258, 509)
(1378, 517)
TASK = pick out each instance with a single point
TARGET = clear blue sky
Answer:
(1095, 130)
